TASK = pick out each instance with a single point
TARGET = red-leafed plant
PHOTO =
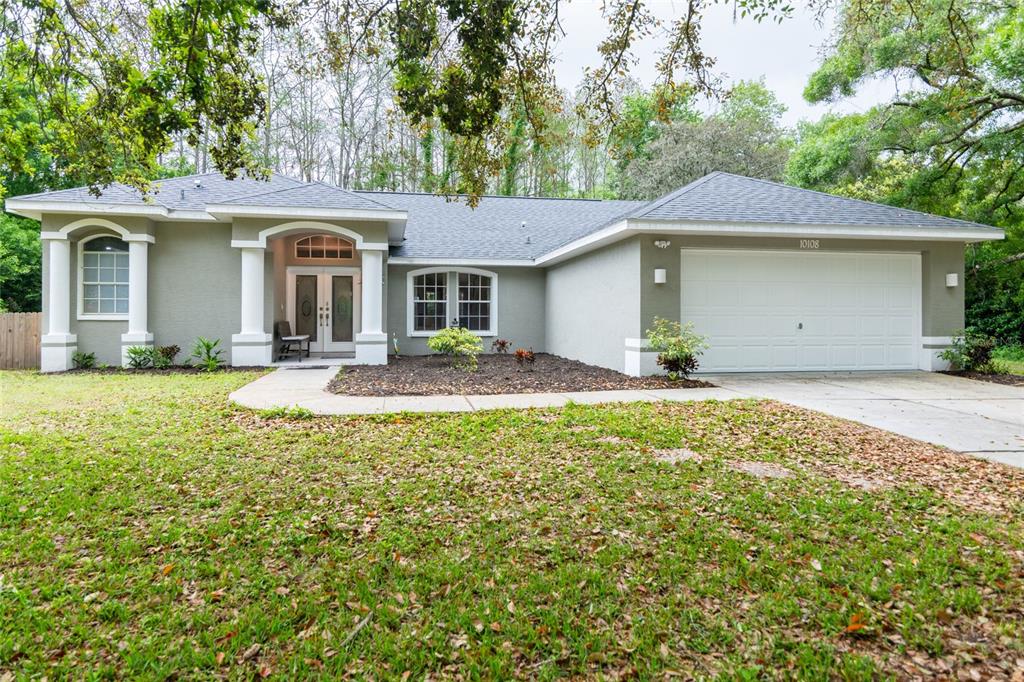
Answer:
(501, 345)
(524, 357)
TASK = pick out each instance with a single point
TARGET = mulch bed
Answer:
(1005, 379)
(433, 375)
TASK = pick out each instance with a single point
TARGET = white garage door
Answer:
(803, 310)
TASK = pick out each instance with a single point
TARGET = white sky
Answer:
(784, 54)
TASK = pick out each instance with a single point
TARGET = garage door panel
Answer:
(857, 311)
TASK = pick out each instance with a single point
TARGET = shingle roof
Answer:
(310, 195)
(442, 228)
(724, 197)
(521, 228)
(178, 193)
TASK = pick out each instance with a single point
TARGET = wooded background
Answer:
(459, 96)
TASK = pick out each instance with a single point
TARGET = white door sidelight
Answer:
(803, 310)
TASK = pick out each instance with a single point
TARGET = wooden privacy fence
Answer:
(19, 340)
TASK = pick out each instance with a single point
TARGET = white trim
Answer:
(124, 233)
(55, 351)
(242, 211)
(453, 298)
(916, 260)
(34, 209)
(357, 287)
(462, 262)
(629, 227)
(80, 314)
(261, 240)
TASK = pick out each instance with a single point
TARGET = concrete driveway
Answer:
(976, 417)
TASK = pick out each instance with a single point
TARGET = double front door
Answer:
(324, 303)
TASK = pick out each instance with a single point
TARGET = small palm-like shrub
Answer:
(207, 354)
(459, 344)
(83, 360)
(678, 346)
(139, 357)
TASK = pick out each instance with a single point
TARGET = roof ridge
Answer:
(492, 196)
(261, 193)
(661, 201)
(859, 201)
(339, 188)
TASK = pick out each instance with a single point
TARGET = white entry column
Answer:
(371, 341)
(58, 344)
(252, 346)
(138, 333)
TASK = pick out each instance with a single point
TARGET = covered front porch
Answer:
(315, 279)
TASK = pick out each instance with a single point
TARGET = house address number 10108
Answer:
(809, 243)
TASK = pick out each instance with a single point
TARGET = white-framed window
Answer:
(447, 297)
(430, 301)
(103, 278)
(323, 246)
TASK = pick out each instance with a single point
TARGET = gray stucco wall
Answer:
(520, 312)
(593, 305)
(942, 308)
(195, 280)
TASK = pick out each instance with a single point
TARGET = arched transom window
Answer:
(323, 246)
(104, 277)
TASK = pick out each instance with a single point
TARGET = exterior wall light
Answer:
(662, 243)
(952, 279)
(660, 275)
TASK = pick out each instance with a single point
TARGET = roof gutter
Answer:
(632, 226)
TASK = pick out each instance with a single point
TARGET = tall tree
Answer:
(743, 137)
(955, 132)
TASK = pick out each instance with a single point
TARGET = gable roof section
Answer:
(309, 195)
(443, 229)
(724, 197)
(175, 194)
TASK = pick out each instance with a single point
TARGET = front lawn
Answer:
(148, 529)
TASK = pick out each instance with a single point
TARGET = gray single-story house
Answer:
(778, 278)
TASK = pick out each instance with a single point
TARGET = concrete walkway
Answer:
(983, 419)
(294, 387)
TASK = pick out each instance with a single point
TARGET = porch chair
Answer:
(289, 344)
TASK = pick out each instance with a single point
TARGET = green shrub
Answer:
(460, 345)
(678, 346)
(82, 360)
(1014, 353)
(970, 352)
(207, 354)
(140, 357)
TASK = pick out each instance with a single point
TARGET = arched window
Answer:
(103, 278)
(322, 246)
(443, 297)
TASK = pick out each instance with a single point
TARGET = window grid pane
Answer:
(105, 277)
(474, 302)
(430, 302)
(325, 247)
